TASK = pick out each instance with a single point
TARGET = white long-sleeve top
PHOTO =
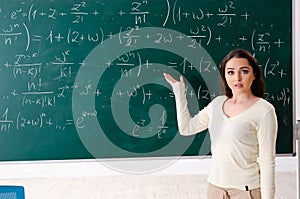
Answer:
(236, 142)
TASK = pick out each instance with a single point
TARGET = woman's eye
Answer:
(245, 71)
(230, 72)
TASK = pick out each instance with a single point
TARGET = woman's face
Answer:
(239, 75)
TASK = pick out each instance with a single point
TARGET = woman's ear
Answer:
(254, 76)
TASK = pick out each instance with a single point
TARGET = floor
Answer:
(135, 187)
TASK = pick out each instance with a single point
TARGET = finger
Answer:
(181, 79)
(169, 78)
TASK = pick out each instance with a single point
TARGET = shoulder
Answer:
(265, 105)
(219, 99)
(265, 110)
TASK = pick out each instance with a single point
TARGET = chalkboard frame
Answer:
(35, 155)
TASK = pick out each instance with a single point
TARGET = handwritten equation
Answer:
(44, 46)
(21, 21)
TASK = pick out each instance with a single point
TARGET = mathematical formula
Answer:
(44, 46)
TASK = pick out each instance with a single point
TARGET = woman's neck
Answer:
(242, 97)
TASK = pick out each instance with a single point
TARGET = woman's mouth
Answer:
(238, 85)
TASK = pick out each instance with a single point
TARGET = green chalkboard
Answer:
(83, 79)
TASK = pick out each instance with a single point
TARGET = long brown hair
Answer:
(258, 86)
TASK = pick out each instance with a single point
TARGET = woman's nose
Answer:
(238, 76)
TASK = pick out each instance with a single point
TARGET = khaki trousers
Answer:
(215, 192)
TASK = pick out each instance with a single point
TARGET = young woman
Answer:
(242, 127)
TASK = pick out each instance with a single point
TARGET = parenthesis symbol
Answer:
(174, 12)
(17, 125)
(252, 39)
(29, 12)
(209, 39)
(168, 13)
(28, 36)
(144, 95)
(102, 35)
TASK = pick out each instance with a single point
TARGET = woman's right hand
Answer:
(171, 80)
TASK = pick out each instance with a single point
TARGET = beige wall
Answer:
(183, 166)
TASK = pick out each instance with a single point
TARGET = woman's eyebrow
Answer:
(245, 67)
(228, 68)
